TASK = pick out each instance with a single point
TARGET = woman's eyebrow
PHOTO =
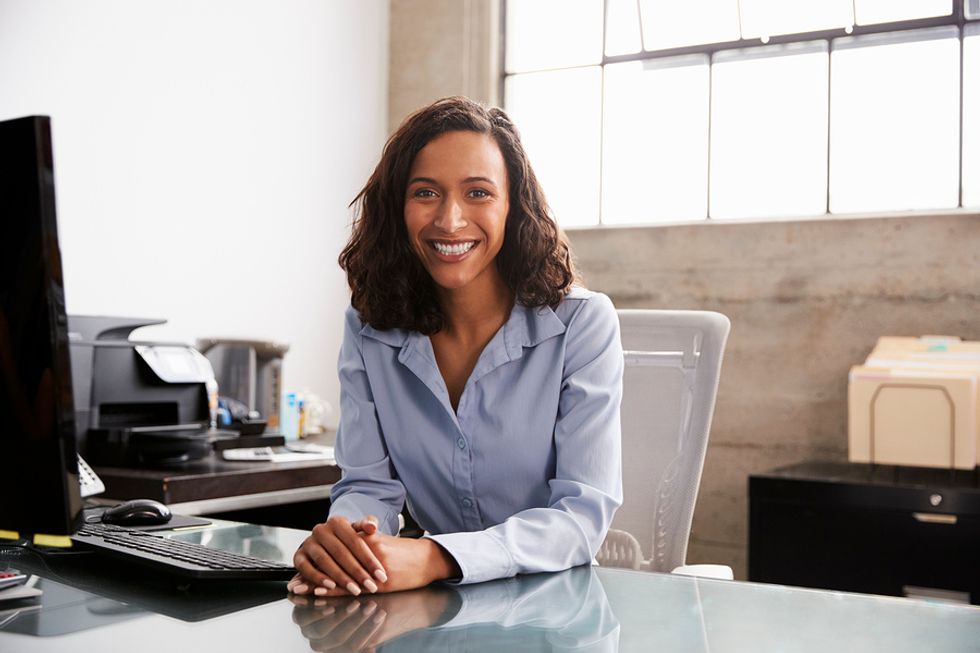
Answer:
(468, 180)
(484, 179)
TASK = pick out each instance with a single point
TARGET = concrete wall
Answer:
(807, 299)
(441, 48)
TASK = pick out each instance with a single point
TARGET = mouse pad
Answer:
(177, 521)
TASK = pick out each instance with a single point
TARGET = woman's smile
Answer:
(453, 251)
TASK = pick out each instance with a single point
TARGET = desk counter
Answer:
(214, 485)
(89, 605)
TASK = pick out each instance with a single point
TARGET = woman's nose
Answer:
(450, 217)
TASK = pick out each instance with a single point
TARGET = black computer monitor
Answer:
(39, 491)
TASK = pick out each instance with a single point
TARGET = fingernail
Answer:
(320, 591)
(302, 588)
(381, 575)
(370, 586)
(353, 588)
(329, 584)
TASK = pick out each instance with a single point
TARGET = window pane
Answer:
(972, 8)
(771, 17)
(971, 109)
(558, 115)
(622, 27)
(655, 141)
(769, 132)
(553, 34)
(895, 122)
(869, 12)
(672, 24)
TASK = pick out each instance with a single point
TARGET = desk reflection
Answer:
(567, 611)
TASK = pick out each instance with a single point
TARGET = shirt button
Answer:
(467, 503)
(461, 443)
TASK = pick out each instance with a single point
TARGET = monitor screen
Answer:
(39, 470)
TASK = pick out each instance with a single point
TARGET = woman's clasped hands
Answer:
(340, 558)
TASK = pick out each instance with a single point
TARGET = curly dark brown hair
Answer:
(390, 288)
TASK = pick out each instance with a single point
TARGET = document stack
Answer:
(915, 402)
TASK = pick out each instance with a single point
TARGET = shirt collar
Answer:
(526, 327)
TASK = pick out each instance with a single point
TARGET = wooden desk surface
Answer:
(215, 478)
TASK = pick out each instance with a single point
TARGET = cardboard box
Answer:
(918, 416)
(916, 402)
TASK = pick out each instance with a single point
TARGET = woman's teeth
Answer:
(454, 250)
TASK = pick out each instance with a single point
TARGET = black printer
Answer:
(139, 403)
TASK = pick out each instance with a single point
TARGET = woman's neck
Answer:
(483, 304)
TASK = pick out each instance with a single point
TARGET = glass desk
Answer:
(90, 605)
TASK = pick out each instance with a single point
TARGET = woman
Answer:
(477, 383)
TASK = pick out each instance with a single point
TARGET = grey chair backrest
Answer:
(673, 362)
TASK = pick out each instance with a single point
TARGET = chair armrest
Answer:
(722, 572)
(620, 549)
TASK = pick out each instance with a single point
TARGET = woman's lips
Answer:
(452, 251)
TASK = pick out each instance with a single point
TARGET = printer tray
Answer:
(150, 445)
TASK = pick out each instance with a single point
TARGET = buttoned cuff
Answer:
(479, 554)
(355, 507)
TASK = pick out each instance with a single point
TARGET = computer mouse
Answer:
(137, 512)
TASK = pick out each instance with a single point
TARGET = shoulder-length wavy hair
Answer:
(389, 286)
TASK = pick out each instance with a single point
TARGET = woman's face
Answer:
(456, 207)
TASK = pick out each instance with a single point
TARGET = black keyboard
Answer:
(174, 557)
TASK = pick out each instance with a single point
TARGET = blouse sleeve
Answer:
(587, 487)
(369, 485)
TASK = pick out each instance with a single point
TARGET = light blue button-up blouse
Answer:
(525, 476)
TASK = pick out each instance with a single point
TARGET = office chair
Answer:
(673, 361)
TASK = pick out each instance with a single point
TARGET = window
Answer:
(646, 111)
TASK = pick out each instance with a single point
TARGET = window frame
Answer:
(956, 18)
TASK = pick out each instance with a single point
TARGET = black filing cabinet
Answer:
(879, 529)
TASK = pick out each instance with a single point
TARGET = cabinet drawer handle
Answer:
(934, 518)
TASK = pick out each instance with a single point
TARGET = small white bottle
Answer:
(289, 416)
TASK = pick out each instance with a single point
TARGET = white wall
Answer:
(205, 154)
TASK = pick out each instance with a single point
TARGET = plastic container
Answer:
(289, 416)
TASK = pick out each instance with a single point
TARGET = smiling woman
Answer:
(479, 387)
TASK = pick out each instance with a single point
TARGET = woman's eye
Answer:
(479, 193)
(423, 192)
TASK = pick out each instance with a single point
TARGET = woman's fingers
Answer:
(319, 570)
(343, 565)
(364, 556)
(336, 555)
(368, 525)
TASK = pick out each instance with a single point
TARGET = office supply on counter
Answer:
(23, 587)
(137, 512)
(177, 522)
(177, 558)
(250, 372)
(11, 578)
(916, 402)
(276, 454)
(40, 487)
(139, 402)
